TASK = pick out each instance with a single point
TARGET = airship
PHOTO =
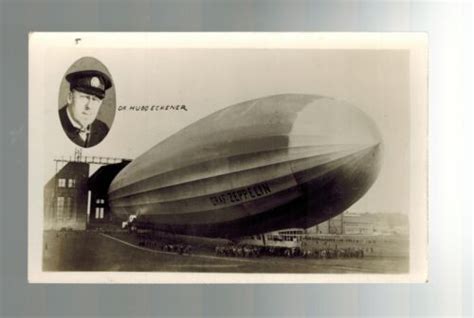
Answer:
(276, 162)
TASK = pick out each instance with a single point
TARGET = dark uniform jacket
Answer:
(98, 130)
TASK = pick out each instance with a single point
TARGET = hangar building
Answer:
(74, 199)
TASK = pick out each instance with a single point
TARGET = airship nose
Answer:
(328, 122)
(346, 160)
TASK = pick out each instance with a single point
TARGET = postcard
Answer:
(227, 158)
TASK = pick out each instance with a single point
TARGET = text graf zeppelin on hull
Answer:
(276, 162)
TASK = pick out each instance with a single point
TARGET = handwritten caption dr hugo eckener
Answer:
(152, 108)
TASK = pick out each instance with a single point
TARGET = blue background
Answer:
(450, 29)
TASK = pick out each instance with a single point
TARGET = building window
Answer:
(99, 209)
(59, 207)
(61, 183)
(99, 213)
(71, 183)
(68, 207)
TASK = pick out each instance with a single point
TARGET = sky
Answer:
(206, 80)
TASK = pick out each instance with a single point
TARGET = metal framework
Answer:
(78, 157)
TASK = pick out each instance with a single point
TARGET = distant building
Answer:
(375, 223)
(363, 224)
(73, 200)
(334, 225)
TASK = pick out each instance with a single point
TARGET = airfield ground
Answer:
(96, 251)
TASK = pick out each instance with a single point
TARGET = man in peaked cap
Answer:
(78, 117)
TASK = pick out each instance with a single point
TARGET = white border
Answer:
(415, 42)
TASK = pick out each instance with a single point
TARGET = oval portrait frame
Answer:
(102, 125)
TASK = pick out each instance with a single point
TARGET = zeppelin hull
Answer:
(276, 162)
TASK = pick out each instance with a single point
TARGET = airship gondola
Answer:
(276, 162)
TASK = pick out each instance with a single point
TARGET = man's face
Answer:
(83, 107)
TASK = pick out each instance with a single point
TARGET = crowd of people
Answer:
(337, 253)
(250, 251)
(178, 248)
(238, 251)
(174, 248)
(257, 251)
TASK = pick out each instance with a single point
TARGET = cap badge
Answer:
(95, 82)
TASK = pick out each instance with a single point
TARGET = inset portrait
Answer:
(87, 102)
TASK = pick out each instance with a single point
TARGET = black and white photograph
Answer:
(85, 99)
(227, 157)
